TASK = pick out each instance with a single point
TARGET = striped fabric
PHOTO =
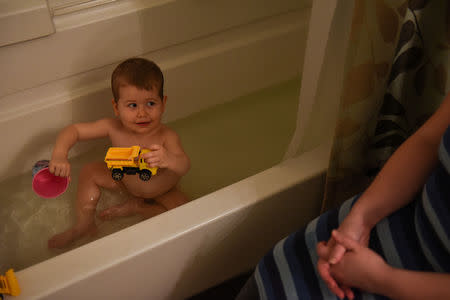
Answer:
(415, 237)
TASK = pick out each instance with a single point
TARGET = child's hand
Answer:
(157, 157)
(360, 267)
(59, 167)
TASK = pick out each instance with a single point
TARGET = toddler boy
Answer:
(138, 104)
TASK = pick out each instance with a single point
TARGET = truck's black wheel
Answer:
(145, 175)
(117, 174)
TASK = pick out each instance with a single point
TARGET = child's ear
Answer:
(115, 108)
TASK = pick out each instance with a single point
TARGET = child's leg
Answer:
(165, 202)
(135, 205)
(125, 209)
(92, 177)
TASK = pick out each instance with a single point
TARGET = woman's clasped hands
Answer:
(346, 262)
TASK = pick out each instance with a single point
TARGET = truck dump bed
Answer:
(122, 155)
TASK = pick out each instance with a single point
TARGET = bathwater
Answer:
(225, 143)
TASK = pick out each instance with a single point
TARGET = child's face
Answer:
(139, 110)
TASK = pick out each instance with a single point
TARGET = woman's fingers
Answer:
(336, 254)
(346, 242)
(323, 267)
(337, 291)
(322, 249)
(348, 292)
(331, 253)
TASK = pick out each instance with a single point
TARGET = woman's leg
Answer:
(249, 291)
(289, 271)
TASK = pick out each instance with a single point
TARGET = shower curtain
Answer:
(395, 75)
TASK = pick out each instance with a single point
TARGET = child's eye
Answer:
(150, 103)
(132, 105)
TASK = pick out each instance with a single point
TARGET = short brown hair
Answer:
(140, 72)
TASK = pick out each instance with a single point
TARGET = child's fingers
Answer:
(152, 157)
(64, 171)
(57, 171)
(153, 161)
(155, 152)
(67, 172)
(153, 165)
(61, 169)
(155, 147)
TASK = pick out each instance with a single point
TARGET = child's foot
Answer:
(64, 239)
(128, 208)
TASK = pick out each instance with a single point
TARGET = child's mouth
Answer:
(143, 124)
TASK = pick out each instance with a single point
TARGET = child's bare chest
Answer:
(125, 139)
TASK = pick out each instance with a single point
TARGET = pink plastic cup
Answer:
(45, 184)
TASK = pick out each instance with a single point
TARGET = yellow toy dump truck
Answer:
(9, 284)
(128, 160)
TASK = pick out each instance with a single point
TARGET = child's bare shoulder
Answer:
(111, 123)
(171, 140)
(168, 133)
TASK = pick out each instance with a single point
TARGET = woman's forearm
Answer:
(410, 285)
(399, 181)
(406, 171)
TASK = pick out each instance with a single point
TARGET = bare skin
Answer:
(138, 113)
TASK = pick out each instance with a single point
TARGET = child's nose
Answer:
(141, 111)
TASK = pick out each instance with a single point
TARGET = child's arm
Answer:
(362, 268)
(59, 164)
(170, 155)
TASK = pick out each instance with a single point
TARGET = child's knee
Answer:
(89, 170)
(98, 174)
(172, 199)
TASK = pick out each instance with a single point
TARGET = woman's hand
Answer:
(59, 166)
(360, 267)
(332, 252)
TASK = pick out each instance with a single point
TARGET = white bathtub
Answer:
(192, 247)
(206, 241)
